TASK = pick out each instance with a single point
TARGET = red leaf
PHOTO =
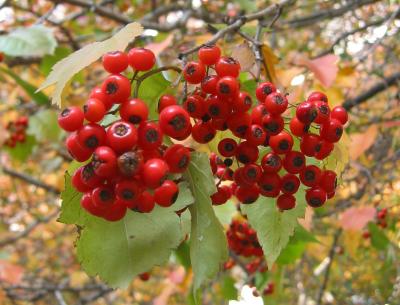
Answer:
(324, 68)
(357, 218)
(10, 273)
(158, 47)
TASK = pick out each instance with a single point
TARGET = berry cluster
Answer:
(17, 131)
(127, 165)
(219, 104)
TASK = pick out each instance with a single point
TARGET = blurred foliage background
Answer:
(348, 252)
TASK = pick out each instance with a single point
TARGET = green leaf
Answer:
(273, 227)
(40, 98)
(182, 253)
(43, 125)
(378, 238)
(22, 151)
(150, 91)
(208, 246)
(36, 40)
(49, 61)
(225, 212)
(247, 5)
(228, 289)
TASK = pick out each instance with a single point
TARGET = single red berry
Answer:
(286, 202)
(134, 111)
(222, 195)
(246, 153)
(270, 184)
(239, 123)
(76, 150)
(256, 135)
(115, 62)
(78, 183)
(294, 162)
(257, 114)
(91, 136)
(290, 184)
(144, 276)
(317, 96)
(271, 163)
(306, 112)
(217, 108)
(224, 173)
(273, 124)
(23, 120)
(177, 157)
(310, 175)
(146, 203)
(209, 54)
(219, 124)
(98, 94)
(103, 197)
(227, 66)
(175, 122)
(154, 173)
(315, 197)
(128, 192)
(89, 177)
(151, 154)
(165, 101)
(263, 90)
(130, 163)
(116, 212)
(310, 144)
(227, 87)
(209, 84)
(331, 131)
(276, 103)
(94, 110)
(251, 173)
(117, 88)
(104, 162)
(242, 102)
(71, 119)
(149, 135)
(194, 72)
(282, 143)
(214, 162)
(340, 114)
(141, 59)
(325, 150)
(328, 181)
(227, 147)
(298, 128)
(88, 205)
(166, 194)
(323, 112)
(195, 106)
(203, 132)
(122, 136)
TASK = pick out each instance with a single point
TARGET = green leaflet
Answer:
(273, 227)
(43, 125)
(208, 246)
(22, 151)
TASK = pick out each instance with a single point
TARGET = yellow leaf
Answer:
(351, 242)
(65, 69)
(360, 142)
(286, 76)
(339, 157)
(245, 56)
(270, 60)
(346, 77)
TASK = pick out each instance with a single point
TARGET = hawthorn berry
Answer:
(134, 111)
(194, 72)
(76, 150)
(310, 175)
(239, 123)
(276, 103)
(227, 147)
(98, 94)
(340, 114)
(128, 192)
(154, 172)
(104, 162)
(247, 194)
(149, 135)
(217, 108)
(103, 197)
(71, 119)
(222, 195)
(227, 66)
(177, 157)
(251, 173)
(227, 87)
(175, 122)
(286, 202)
(270, 184)
(195, 106)
(209, 84)
(290, 184)
(317, 96)
(130, 163)
(315, 197)
(78, 183)
(306, 112)
(281, 143)
(328, 181)
(89, 177)
(116, 212)
(263, 90)
(87, 204)
(203, 132)
(246, 152)
(257, 114)
(117, 88)
(298, 128)
(94, 110)
(310, 144)
(294, 162)
(115, 62)
(242, 102)
(122, 136)
(256, 135)
(165, 101)
(209, 54)
(166, 194)
(141, 59)
(331, 131)
(271, 163)
(91, 136)
(273, 124)
(323, 112)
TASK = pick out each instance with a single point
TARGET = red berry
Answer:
(276, 103)
(128, 192)
(263, 90)
(281, 143)
(340, 114)
(257, 114)
(209, 84)
(286, 202)
(227, 147)
(104, 162)
(315, 197)
(98, 94)
(154, 173)
(122, 136)
(317, 96)
(115, 62)
(89, 177)
(209, 54)
(141, 59)
(195, 106)
(165, 101)
(270, 184)
(130, 163)
(227, 66)
(217, 108)
(256, 135)
(144, 276)
(222, 195)
(325, 150)
(203, 132)
(87, 204)
(76, 150)
(91, 136)
(175, 122)
(177, 157)
(328, 181)
(194, 72)
(116, 212)
(150, 135)
(271, 163)
(242, 102)
(239, 123)
(103, 197)
(246, 153)
(294, 162)
(134, 111)
(331, 131)
(71, 118)
(306, 112)
(146, 202)
(310, 144)
(289, 184)
(117, 88)
(323, 112)
(219, 124)
(298, 128)
(251, 173)
(273, 124)
(78, 183)
(166, 194)
(310, 175)
(247, 194)
(94, 110)
(227, 87)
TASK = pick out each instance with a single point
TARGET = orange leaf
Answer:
(270, 60)
(357, 218)
(360, 142)
(10, 273)
(324, 68)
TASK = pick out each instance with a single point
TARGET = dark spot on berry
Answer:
(174, 197)
(206, 118)
(105, 195)
(231, 61)
(111, 88)
(178, 122)
(88, 172)
(267, 90)
(241, 130)
(243, 158)
(85, 108)
(208, 137)
(273, 161)
(289, 186)
(252, 173)
(271, 126)
(183, 162)
(247, 100)
(191, 107)
(338, 132)
(267, 187)
(318, 147)
(258, 133)
(298, 161)
(120, 130)
(152, 135)
(249, 200)
(229, 147)
(128, 194)
(65, 112)
(190, 69)
(228, 162)
(323, 109)
(315, 202)
(135, 119)
(92, 142)
(313, 113)
(278, 99)
(283, 145)
(310, 175)
(224, 88)
(214, 110)
(129, 162)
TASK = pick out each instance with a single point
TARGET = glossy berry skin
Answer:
(257, 114)
(242, 102)
(98, 94)
(251, 173)
(146, 203)
(134, 111)
(166, 194)
(194, 72)
(282, 143)
(286, 202)
(310, 144)
(149, 135)
(273, 124)
(239, 123)
(76, 150)
(177, 157)
(289, 184)
(298, 128)
(271, 163)
(103, 197)
(78, 183)
(116, 212)
(87, 204)
(227, 147)
(94, 110)
(219, 124)
(247, 194)
(306, 112)
(310, 175)
(263, 90)
(165, 101)
(276, 103)
(209, 55)
(331, 131)
(227, 66)
(256, 135)
(122, 136)
(270, 184)
(294, 162)
(246, 153)
(195, 106)
(117, 88)
(317, 96)
(222, 195)
(89, 177)
(217, 108)
(115, 62)
(325, 150)
(104, 162)
(130, 163)
(323, 112)
(209, 84)
(328, 181)
(175, 122)
(128, 192)
(71, 119)
(227, 87)
(203, 132)
(141, 59)
(154, 172)
(340, 114)
(91, 136)
(316, 197)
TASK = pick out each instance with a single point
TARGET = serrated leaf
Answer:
(39, 97)
(33, 41)
(50, 60)
(43, 125)
(22, 151)
(208, 246)
(274, 228)
(65, 69)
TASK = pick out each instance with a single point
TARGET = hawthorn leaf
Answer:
(270, 61)
(356, 218)
(361, 142)
(245, 56)
(33, 41)
(65, 69)
(208, 245)
(274, 228)
(43, 125)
